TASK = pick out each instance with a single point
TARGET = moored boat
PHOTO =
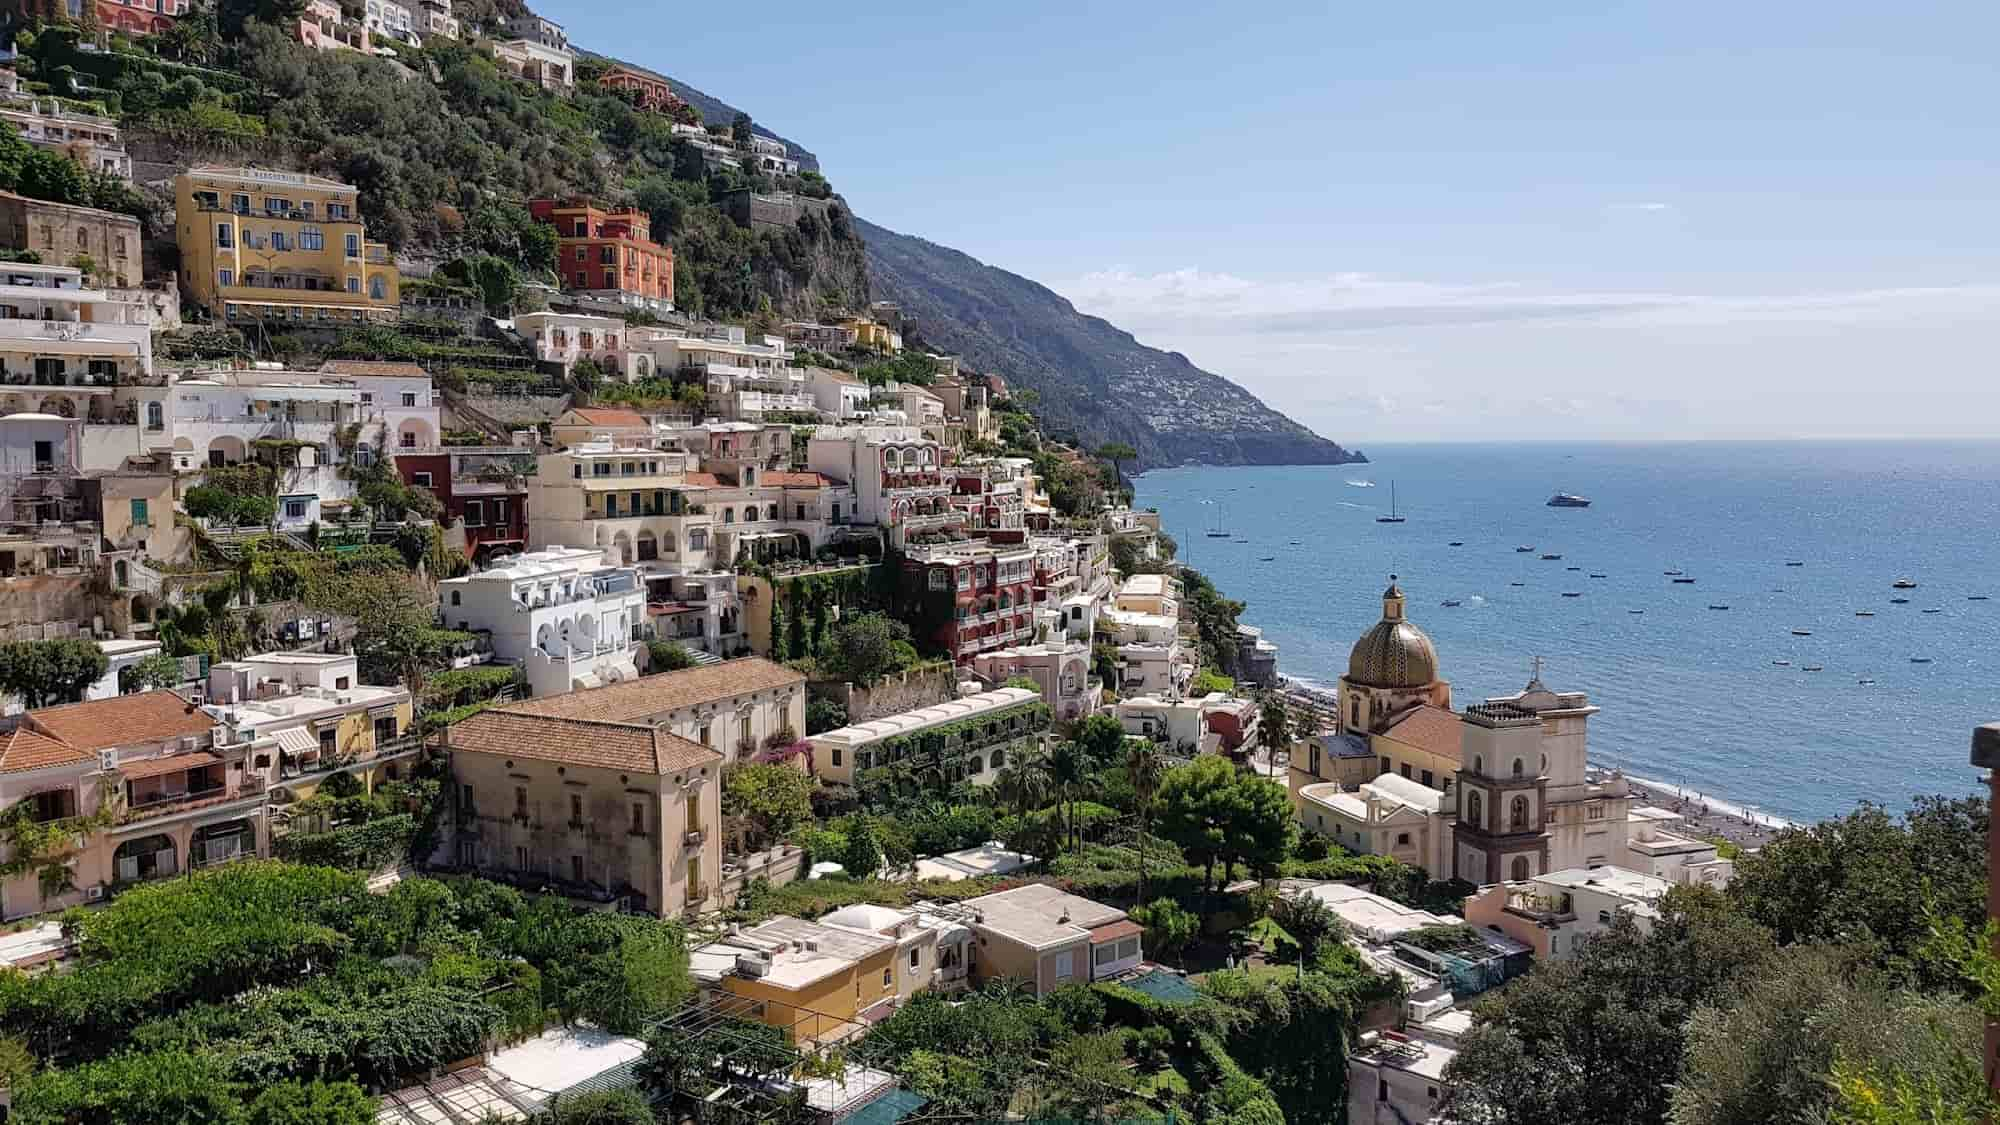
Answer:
(1568, 500)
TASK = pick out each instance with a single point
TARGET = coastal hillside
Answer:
(1097, 383)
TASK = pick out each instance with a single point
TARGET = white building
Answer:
(1393, 816)
(1554, 913)
(550, 67)
(92, 140)
(896, 471)
(837, 393)
(121, 654)
(398, 406)
(561, 613)
(78, 353)
(42, 529)
(311, 709)
(565, 337)
(1002, 718)
(772, 156)
(438, 18)
(387, 19)
(1150, 656)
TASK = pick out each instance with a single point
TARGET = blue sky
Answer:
(1438, 221)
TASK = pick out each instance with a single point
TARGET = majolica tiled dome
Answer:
(1395, 653)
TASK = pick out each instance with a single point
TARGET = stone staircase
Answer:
(229, 541)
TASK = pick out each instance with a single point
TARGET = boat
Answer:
(1572, 593)
(1635, 611)
(1864, 681)
(1524, 550)
(1899, 601)
(1455, 543)
(1451, 602)
(1392, 517)
(1864, 613)
(1550, 558)
(1600, 576)
(1683, 581)
(1934, 611)
(1517, 583)
(1920, 660)
(1718, 607)
(1976, 597)
(1815, 668)
(1673, 573)
(1902, 584)
(1268, 558)
(1361, 484)
(1782, 663)
(1568, 500)
(1802, 632)
(1293, 543)
(1795, 564)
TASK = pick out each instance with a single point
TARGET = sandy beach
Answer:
(1709, 817)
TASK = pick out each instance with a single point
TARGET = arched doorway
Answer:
(214, 844)
(148, 857)
(226, 450)
(1519, 872)
(414, 433)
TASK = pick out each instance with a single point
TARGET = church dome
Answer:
(1395, 653)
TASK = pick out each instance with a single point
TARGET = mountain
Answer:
(1097, 383)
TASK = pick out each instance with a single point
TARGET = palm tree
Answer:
(1024, 782)
(1068, 766)
(1142, 762)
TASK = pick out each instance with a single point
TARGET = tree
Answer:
(396, 634)
(1117, 452)
(865, 647)
(775, 799)
(1169, 928)
(667, 656)
(1195, 808)
(1101, 738)
(863, 857)
(156, 671)
(741, 129)
(1024, 783)
(1068, 767)
(1274, 725)
(1144, 766)
(824, 714)
(312, 1103)
(46, 673)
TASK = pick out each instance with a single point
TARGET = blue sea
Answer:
(1690, 695)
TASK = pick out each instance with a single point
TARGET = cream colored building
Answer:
(735, 708)
(275, 248)
(1047, 938)
(597, 810)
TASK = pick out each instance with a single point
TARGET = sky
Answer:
(1437, 222)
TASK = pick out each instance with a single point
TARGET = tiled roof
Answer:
(579, 742)
(669, 691)
(172, 763)
(125, 720)
(23, 749)
(792, 480)
(708, 479)
(1432, 729)
(597, 416)
(363, 367)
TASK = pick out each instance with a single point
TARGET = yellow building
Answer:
(869, 333)
(262, 246)
(811, 980)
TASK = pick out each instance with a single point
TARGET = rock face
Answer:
(1097, 384)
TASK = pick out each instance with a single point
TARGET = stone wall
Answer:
(45, 607)
(923, 686)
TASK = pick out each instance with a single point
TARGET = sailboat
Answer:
(1215, 529)
(1392, 517)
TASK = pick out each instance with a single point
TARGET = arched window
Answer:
(1474, 806)
(82, 239)
(771, 512)
(1354, 712)
(975, 765)
(749, 513)
(1520, 870)
(1517, 767)
(728, 515)
(999, 759)
(1478, 764)
(1517, 813)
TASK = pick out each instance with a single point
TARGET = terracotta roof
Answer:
(1431, 729)
(23, 749)
(668, 691)
(598, 416)
(708, 479)
(792, 480)
(1123, 928)
(125, 720)
(172, 763)
(362, 367)
(579, 742)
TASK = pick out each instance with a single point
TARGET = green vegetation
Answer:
(45, 673)
(863, 648)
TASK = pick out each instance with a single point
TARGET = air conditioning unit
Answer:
(107, 760)
(93, 894)
(753, 964)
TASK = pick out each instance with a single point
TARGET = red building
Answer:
(608, 252)
(652, 90)
(139, 17)
(484, 488)
(971, 598)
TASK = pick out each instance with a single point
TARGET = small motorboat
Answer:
(1635, 611)
(1976, 597)
(1455, 543)
(1934, 611)
(1795, 564)
(1802, 632)
(1718, 607)
(1568, 500)
(1450, 603)
(1920, 660)
(1572, 593)
(1292, 543)
(1576, 568)
(1864, 613)
(1899, 601)
(1902, 584)
(1600, 576)
(1782, 663)
(1815, 668)
(1550, 558)
(1524, 550)
(1673, 573)
(1683, 581)
(1517, 583)
(1267, 558)
(1865, 682)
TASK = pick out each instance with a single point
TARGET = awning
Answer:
(295, 740)
(176, 763)
(57, 346)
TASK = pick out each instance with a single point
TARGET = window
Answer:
(576, 808)
(499, 513)
(354, 285)
(1594, 812)
(225, 277)
(638, 818)
(1387, 767)
(295, 509)
(521, 801)
(1065, 966)
(1403, 839)
(1473, 809)
(312, 238)
(888, 978)
(454, 597)
(225, 235)
(409, 439)
(409, 397)
(1406, 769)
(836, 757)
(156, 416)
(1382, 1090)
(118, 246)
(707, 735)
(576, 869)
(378, 290)
(1517, 767)
(913, 958)
(1517, 813)
(280, 240)
(464, 796)
(421, 480)
(1520, 874)
(475, 513)
(1604, 917)
(520, 857)
(140, 517)
(354, 246)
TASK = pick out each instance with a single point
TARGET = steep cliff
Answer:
(1096, 382)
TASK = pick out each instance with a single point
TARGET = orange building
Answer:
(609, 253)
(653, 91)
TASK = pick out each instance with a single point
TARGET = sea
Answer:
(1716, 701)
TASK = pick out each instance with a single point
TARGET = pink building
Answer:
(1061, 670)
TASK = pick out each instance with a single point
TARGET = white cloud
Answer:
(1649, 206)
(1364, 357)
